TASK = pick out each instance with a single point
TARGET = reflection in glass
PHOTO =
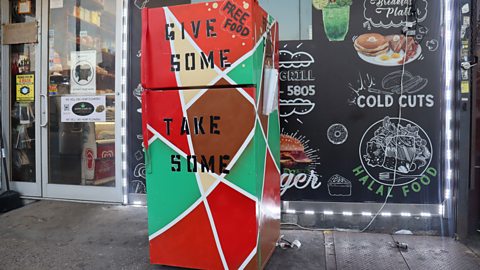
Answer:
(22, 72)
(81, 93)
(294, 17)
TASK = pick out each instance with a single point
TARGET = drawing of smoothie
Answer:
(336, 17)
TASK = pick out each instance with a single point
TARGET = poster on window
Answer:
(25, 86)
(83, 109)
(83, 72)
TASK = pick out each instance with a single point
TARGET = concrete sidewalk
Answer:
(63, 235)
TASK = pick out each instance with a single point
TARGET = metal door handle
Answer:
(44, 110)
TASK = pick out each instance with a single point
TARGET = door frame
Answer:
(85, 193)
(27, 189)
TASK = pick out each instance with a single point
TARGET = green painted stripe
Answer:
(242, 173)
(169, 193)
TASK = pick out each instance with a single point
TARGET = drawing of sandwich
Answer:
(339, 186)
(295, 60)
(296, 106)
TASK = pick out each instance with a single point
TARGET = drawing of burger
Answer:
(292, 153)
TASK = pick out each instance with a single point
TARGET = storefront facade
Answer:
(359, 142)
(343, 105)
(62, 98)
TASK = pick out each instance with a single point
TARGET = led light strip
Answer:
(123, 99)
(364, 213)
(449, 95)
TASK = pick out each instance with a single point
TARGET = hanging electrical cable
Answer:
(407, 31)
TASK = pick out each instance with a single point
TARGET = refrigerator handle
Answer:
(44, 108)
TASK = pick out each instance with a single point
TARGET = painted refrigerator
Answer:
(211, 133)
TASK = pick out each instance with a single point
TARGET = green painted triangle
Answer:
(274, 136)
(258, 58)
(260, 151)
(169, 193)
(249, 68)
(270, 19)
(242, 174)
(242, 72)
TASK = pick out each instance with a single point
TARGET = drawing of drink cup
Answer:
(336, 19)
(137, 92)
(400, 154)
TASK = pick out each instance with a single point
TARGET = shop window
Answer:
(294, 17)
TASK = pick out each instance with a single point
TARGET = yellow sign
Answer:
(25, 87)
(465, 87)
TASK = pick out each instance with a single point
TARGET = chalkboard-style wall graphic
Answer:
(391, 50)
(325, 84)
(391, 14)
(432, 45)
(339, 186)
(374, 123)
(295, 60)
(299, 162)
(337, 134)
(296, 106)
(296, 154)
(140, 4)
(399, 87)
(395, 151)
(336, 17)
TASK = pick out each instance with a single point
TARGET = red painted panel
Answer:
(158, 106)
(251, 92)
(189, 243)
(235, 220)
(270, 205)
(160, 53)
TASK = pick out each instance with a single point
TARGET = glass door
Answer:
(80, 141)
(20, 100)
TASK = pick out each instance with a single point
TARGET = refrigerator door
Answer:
(212, 178)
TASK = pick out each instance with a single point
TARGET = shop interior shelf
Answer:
(90, 4)
(82, 45)
(82, 25)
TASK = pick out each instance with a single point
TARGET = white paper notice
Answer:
(270, 88)
(83, 73)
(25, 7)
(83, 109)
(56, 4)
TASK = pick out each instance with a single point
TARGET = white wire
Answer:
(396, 137)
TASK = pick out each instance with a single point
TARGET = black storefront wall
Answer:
(467, 203)
(344, 109)
(341, 106)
